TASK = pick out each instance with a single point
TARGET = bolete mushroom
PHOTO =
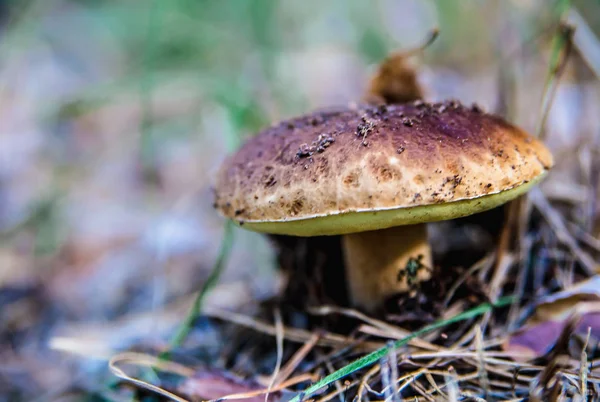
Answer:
(376, 175)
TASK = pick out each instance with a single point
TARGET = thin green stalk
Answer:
(558, 41)
(561, 49)
(375, 356)
(146, 85)
(210, 282)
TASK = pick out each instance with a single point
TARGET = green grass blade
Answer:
(373, 357)
(559, 40)
(561, 45)
(147, 146)
(210, 282)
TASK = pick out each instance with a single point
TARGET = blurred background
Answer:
(115, 115)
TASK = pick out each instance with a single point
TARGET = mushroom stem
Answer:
(384, 262)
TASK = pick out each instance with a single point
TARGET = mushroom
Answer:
(376, 175)
(395, 80)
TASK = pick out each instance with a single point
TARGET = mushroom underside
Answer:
(364, 220)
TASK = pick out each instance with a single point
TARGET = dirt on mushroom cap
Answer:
(376, 157)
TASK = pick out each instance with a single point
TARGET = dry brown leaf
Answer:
(208, 385)
(542, 330)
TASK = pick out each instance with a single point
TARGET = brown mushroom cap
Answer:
(373, 167)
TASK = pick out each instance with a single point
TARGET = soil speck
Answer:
(364, 128)
(408, 122)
